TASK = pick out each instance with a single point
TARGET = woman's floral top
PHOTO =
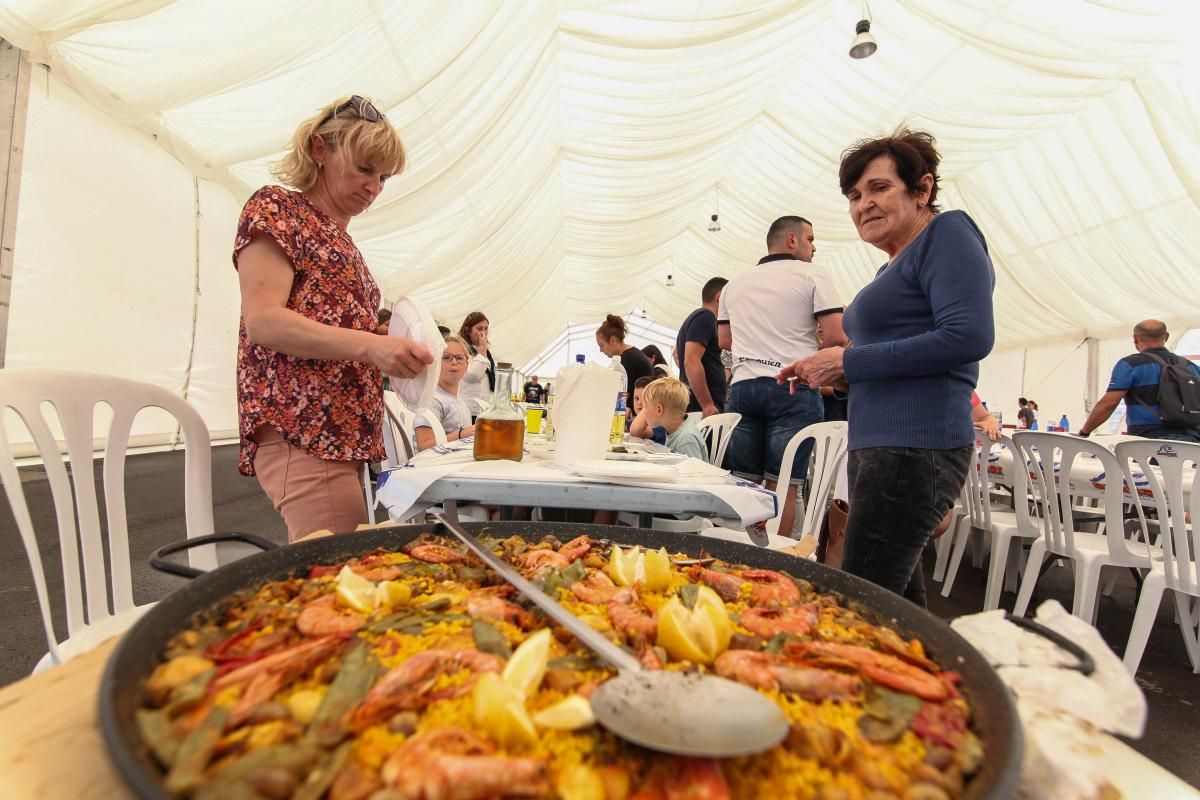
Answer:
(333, 410)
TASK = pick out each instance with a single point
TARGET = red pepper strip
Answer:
(230, 663)
(319, 571)
(220, 651)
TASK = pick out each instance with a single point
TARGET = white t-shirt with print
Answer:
(772, 312)
(449, 409)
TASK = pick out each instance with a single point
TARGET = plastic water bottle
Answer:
(617, 434)
(1034, 426)
(1063, 424)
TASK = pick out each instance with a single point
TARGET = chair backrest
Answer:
(717, 431)
(398, 440)
(72, 397)
(439, 433)
(977, 493)
(829, 448)
(1050, 458)
(1168, 470)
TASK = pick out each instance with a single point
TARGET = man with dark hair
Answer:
(1135, 379)
(769, 316)
(699, 354)
(1025, 413)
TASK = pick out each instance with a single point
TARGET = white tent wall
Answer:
(108, 252)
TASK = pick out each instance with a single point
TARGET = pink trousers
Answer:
(311, 494)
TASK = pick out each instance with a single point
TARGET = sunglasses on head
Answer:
(361, 107)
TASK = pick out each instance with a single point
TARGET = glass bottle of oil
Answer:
(500, 431)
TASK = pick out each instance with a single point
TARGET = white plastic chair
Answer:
(398, 440)
(717, 431)
(944, 545)
(74, 397)
(1179, 569)
(1000, 527)
(829, 449)
(1089, 552)
(439, 433)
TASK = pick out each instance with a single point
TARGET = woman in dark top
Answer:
(610, 337)
(661, 370)
(919, 330)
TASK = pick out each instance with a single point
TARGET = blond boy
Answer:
(664, 404)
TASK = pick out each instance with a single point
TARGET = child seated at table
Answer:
(637, 425)
(447, 408)
(664, 404)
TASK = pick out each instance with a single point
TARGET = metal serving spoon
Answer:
(686, 714)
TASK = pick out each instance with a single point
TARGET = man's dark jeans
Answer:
(898, 495)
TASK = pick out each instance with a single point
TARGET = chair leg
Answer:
(960, 544)
(1033, 568)
(943, 546)
(1110, 583)
(1187, 626)
(996, 571)
(1143, 621)
(1087, 586)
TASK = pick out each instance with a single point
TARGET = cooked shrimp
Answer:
(764, 671)
(409, 686)
(436, 554)
(322, 617)
(628, 614)
(536, 563)
(768, 621)
(876, 667)
(771, 587)
(291, 663)
(596, 588)
(455, 764)
(727, 586)
(576, 548)
(489, 603)
(689, 779)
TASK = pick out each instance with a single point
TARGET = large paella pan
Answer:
(388, 664)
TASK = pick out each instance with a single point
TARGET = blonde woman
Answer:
(310, 361)
(448, 406)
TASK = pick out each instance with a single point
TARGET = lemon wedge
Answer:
(657, 568)
(527, 665)
(500, 710)
(580, 782)
(700, 634)
(570, 714)
(622, 566)
(356, 592)
(392, 593)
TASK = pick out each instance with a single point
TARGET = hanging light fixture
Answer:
(864, 44)
(715, 225)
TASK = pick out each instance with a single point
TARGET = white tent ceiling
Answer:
(566, 156)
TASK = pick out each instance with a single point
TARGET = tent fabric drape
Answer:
(566, 155)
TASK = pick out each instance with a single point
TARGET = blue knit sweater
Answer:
(919, 331)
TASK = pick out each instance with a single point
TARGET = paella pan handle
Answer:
(1086, 664)
(590, 638)
(159, 561)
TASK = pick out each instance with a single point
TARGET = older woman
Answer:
(310, 361)
(919, 330)
(480, 380)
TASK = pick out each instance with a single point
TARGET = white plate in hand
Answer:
(603, 469)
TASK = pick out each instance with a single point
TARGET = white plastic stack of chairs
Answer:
(717, 431)
(1001, 528)
(88, 585)
(1050, 457)
(1163, 462)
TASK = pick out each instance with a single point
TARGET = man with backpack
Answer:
(1161, 390)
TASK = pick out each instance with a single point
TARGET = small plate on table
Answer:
(642, 472)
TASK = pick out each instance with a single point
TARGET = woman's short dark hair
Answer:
(654, 354)
(612, 326)
(914, 153)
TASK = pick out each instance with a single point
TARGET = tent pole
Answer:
(14, 109)
(1093, 374)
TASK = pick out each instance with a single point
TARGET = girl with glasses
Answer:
(447, 407)
(310, 360)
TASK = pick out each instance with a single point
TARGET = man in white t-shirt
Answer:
(768, 317)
